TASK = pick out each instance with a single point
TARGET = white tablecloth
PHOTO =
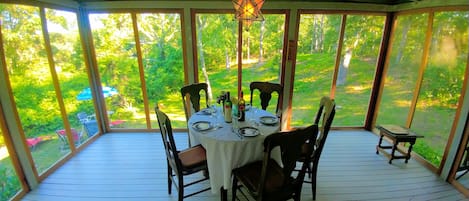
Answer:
(226, 150)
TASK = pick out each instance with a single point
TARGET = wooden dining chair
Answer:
(265, 93)
(191, 95)
(266, 179)
(181, 163)
(324, 117)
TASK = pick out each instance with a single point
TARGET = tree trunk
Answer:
(227, 59)
(402, 43)
(437, 32)
(201, 24)
(321, 34)
(343, 68)
(316, 34)
(313, 38)
(234, 31)
(248, 44)
(261, 39)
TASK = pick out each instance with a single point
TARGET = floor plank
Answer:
(132, 166)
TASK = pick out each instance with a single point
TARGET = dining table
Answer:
(230, 145)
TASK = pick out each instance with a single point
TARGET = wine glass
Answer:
(213, 114)
(235, 123)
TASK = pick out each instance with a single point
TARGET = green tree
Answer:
(161, 41)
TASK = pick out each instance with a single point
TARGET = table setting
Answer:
(259, 122)
(230, 144)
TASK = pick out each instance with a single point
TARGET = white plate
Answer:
(268, 120)
(248, 131)
(206, 111)
(202, 125)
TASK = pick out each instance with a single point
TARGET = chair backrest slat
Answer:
(168, 140)
(266, 89)
(193, 91)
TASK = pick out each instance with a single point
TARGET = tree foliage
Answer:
(160, 40)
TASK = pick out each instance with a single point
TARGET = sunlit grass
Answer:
(402, 103)
(357, 89)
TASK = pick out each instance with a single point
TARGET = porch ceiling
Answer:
(382, 2)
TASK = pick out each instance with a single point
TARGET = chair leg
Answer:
(297, 197)
(313, 180)
(170, 183)
(309, 170)
(180, 188)
(234, 188)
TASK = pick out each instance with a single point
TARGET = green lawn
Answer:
(44, 155)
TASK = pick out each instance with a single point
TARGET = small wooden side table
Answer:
(396, 134)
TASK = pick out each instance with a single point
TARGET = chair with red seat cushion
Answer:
(116, 123)
(266, 179)
(63, 137)
(181, 162)
(32, 142)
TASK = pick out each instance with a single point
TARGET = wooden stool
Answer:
(396, 134)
